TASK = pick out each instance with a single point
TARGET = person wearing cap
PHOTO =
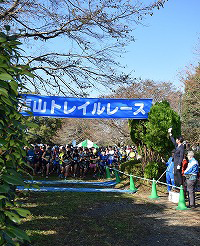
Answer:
(191, 174)
(178, 157)
(170, 172)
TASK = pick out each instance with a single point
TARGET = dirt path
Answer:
(147, 222)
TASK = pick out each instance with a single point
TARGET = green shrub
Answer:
(12, 141)
(132, 167)
(154, 170)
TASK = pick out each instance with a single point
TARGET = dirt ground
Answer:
(152, 222)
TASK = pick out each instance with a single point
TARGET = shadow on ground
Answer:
(102, 219)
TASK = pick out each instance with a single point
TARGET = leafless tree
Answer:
(158, 91)
(72, 45)
(191, 105)
(101, 132)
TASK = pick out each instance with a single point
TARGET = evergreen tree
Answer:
(150, 136)
(161, 117)
(43, 130)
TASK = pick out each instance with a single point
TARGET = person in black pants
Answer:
(178, 158)
(191, 174)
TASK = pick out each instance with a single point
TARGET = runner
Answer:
(81, 162)
(46, 161)
(85, 162)
(93, 163)
(30, 157)
(61, 167)
(103, 162)
(123, 155)
(110, 156)
(37, 160)
(116, 160)
(131, 155)
(55, 159)
(75, 163)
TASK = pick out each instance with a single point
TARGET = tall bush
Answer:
(161, 117)
(154, 170)
(151, 135)
(11, 142)
(132, 167)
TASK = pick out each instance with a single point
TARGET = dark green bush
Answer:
(12, 141)
(132, 167)
(154, 170)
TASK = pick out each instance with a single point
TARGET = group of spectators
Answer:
(182, 169)
(71, 161)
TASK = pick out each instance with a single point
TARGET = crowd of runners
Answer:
(76, 162)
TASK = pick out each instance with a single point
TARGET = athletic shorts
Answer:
(30, 159)
(92, 165)
(55, 162)
(45, 162)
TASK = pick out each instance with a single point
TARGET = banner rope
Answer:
(150, 180)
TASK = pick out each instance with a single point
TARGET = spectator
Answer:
(191, 174)
(178, 157)
(184, 166)
(170, 172)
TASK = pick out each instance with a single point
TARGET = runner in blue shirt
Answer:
(103, 162)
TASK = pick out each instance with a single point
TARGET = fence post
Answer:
(132, 185)
(117, 177)
(154, 191)
(107, 173)
(181, 203)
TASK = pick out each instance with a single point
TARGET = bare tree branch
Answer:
(11, 11)
(94, 34)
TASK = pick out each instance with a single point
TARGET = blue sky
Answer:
(167, 43)
(164, 45)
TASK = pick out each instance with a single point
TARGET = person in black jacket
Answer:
(178, 157)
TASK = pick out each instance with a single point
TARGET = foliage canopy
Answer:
(151, 136)
(44, 131)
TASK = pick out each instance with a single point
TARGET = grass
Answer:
(60, 217)
(63, 218)
(100, 219)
